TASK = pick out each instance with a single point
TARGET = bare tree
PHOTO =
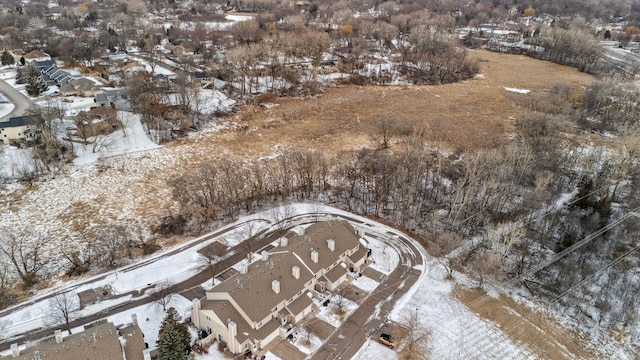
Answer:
(25, 253)
(416, 338)
(483, 266)
(386, 129)
(211, 257)
(249, 234)
(339, 300)
(304, 334)
(162, 294)
(279, 216)
(62, 308)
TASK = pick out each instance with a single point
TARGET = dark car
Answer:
(388, 340)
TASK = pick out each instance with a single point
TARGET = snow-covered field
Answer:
(14, 161)
(373, 350)
(132, 138)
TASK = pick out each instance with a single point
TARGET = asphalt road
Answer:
(371, 316)
(21, 102)
(342, 344)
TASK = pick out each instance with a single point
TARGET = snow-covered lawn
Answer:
(365, 283)
(385, 258)
(150, 316)
(330, 313)
(456, 331)
(307, 345)
(14, 161)
(132, 138)
(373, 350)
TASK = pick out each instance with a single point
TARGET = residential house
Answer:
(20, 129)
(267, 297)
(116, 98)
(102, 341)
(325, 67)
(133, 67)
(202, 78)
(80, 87)
(36, 55)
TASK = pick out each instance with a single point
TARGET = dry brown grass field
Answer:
(467, 116)
(464, 117)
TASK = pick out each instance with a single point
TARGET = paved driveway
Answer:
(21, 102)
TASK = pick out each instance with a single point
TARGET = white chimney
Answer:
(233, 330)
(275, 285)
(146, 354)
(243, 269)
(195, 312)
(299, 230)
(360, 232)
(332, 244)
(284, 241)
(134, 319)
(314, 256)
(14, 350)
(296, 272)
(58, 335)
(265, 255)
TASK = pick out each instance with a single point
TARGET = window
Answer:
(208, 318)
(274, 309)
(260, 324)
(244, 346)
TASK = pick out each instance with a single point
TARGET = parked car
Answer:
(388, 340)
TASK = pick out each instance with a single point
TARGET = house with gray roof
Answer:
(21, 129)
(266, 298)
(80, 87)
(101, 341)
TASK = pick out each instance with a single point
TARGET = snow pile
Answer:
(516, 90)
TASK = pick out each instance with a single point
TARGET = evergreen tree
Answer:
(35, 84)
(174, 339)
(6, 58)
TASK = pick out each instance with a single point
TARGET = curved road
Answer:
(359, 326)
(21, 102)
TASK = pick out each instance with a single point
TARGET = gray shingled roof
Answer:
(246, 289)
(96, 343)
